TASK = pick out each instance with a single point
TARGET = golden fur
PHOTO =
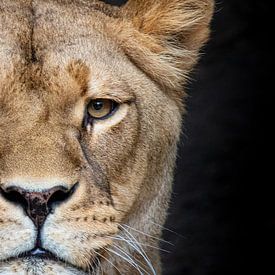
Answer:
(56, 55)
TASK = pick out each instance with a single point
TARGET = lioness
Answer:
(90, 116)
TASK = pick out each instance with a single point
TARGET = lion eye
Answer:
(101, 108)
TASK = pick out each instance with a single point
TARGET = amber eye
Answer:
(101, 108)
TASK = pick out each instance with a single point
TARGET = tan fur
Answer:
(55, 56)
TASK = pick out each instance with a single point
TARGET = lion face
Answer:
(90, 118)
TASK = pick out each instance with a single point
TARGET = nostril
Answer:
(38, 205)
(14, 195)
(61, 195)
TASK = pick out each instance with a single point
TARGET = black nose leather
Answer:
(37, 205)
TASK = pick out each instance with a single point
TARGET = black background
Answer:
(222, 206)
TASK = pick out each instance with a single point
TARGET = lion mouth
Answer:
(41, 254)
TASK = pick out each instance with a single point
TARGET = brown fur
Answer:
(56, 55)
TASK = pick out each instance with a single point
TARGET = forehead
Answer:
(50, 36)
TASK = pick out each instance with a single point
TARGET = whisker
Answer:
(139, 249)
(93, 271)
(137, 261)
(87, 262)
(108, 261)
(99, 266)
(128, 260)
(150, 236)
(167, 229)
(120, 238)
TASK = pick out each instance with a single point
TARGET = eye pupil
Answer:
(98, 105)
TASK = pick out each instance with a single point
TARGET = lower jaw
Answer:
(37, 266)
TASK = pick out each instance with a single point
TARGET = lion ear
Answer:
(163, 37)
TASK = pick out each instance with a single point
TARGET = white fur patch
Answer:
(33, 266)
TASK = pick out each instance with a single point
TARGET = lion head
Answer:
(91, 106)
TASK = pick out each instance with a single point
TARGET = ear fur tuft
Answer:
(163, 37)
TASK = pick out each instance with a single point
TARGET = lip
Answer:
(41, 254)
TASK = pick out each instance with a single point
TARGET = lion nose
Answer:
(37, 205)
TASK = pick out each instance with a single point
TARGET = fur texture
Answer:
(57, 55)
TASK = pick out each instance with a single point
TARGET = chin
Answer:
(37, 266)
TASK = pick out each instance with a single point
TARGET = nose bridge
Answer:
(44, 135)
(42, 146)
(39, 153)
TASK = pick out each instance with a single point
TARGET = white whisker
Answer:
(108, 261)
(139, 249)
(167, 229)
(120, 238)
(99, 266)
(133, 259)
(127, 259)
(145, 234)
